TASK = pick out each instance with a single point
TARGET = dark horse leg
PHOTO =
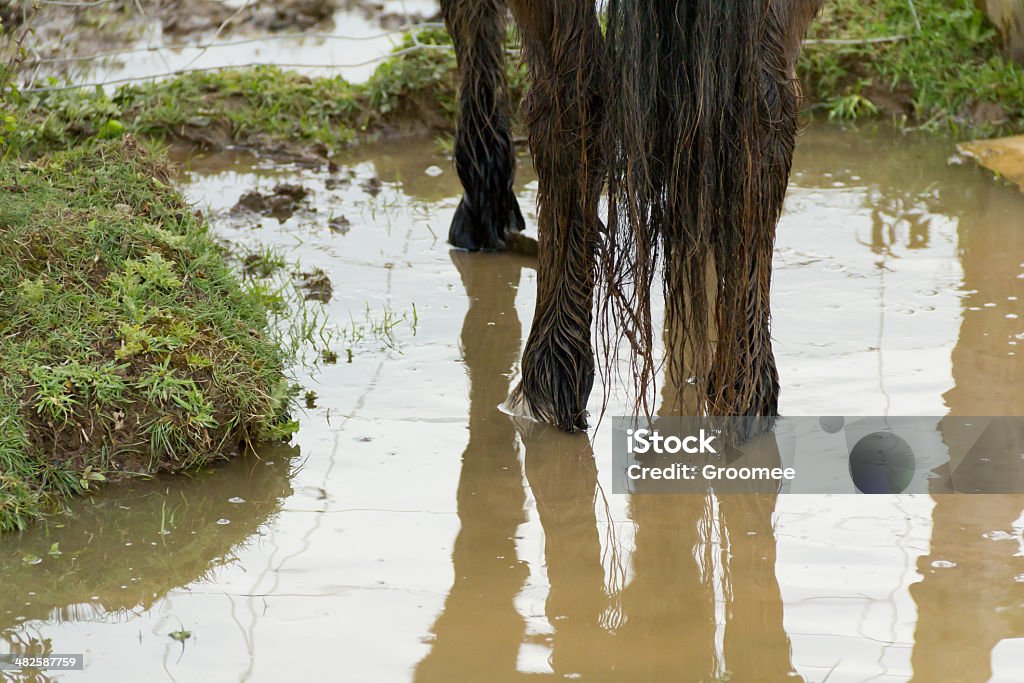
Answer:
(704, 109)
(754, 392)
(564, 48)
(484, 156)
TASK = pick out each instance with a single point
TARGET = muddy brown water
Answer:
(410, 532)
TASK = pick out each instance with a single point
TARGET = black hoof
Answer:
(567, 417)
(477, 231)
(753, 426)
(555, 386)
(761, 413)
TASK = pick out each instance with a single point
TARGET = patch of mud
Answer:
(339, 224)
(372, 186)
(63, 30)
(392, 15)
(281, 203)
(316, 285)
(205, 134)
(185, 17)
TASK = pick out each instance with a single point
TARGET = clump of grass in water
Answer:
(127, 343)
(379, 329)
(295, 323)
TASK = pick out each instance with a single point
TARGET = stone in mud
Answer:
(372, 186)
(339, 224)
(280, 204)
(317, 285)
(1004, 156)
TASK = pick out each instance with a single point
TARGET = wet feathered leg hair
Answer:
(564, 49)
(704, 114)
(484, 154)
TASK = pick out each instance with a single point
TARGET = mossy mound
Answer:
(127, 344)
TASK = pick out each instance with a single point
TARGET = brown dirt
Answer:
(281, 203)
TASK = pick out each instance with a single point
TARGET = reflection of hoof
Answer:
(473, 232)
(753, 426)
(523, 419)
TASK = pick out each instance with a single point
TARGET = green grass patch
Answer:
(262, 107)
(127, 344)
(949, 77)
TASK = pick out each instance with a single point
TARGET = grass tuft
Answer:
(127, 344)
(950, 77)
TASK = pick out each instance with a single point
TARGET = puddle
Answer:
(415, 535)
(350, 43)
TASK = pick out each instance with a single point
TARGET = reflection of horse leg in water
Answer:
(478, 635)
(562, 474)
(669, 606)
(664, 625)
(982, 591)
(756, 646)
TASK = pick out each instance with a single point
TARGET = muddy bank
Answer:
(960, 85)
(266, 109)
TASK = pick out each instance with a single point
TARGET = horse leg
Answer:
(776, 127)
(484, 155)
(743, 378)
(564, 49)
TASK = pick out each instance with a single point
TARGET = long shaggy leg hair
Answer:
(484, 155)
(704, 118)
(564, 48)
